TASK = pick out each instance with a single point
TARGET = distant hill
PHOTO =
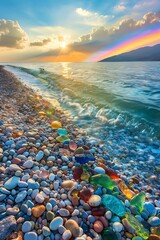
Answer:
(140, 54)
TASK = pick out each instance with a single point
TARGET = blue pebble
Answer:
(150, 208)
(53, 201)
(154, 221)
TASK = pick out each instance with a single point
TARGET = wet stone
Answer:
(138, 201)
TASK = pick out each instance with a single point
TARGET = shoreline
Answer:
(35, 165)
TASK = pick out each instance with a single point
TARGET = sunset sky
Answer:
(75, 30)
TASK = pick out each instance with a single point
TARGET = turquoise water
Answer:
(98, 95)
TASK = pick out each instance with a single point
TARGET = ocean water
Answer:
(100, 96)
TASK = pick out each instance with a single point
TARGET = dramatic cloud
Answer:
(91, 18)
(11, 34)
(41, 43)
(103, 36)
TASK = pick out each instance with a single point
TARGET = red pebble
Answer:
(77, 173)
(21, 150)
(85, 194)
(98, 211)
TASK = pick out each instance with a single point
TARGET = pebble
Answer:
(12, 211)
(73, 227)
(28, 164)
(117, 226)
(108, 215)
(39, 155)
(150, 208)
(38, 211)
(21, 196)
(46, 231)
(39, 198)
(94, 201)
(98, 226)
(50, 216)
(98, 170)
(30, 236)
(64, 212)
(55, 223)
(154, 221)
(66, 235)
(68, 184)
(26, 227)
(11, 183)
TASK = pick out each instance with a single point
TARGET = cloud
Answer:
(83, 12)
(120, 7)
(91, 18)
(12, 35)
(101, 37)
(41, 43)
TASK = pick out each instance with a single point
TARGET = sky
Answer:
(75, 30)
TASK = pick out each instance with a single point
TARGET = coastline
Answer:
(40, 164)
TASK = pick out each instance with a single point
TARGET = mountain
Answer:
(140, 54)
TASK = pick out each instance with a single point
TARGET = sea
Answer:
(99, 97)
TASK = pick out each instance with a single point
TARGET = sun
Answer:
(63, 44)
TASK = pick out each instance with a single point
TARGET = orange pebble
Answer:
(98, 226)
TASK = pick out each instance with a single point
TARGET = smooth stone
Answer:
(30, 236)
(49, 206)
(39, 198)
(51, 158)
(150, 208)
(66, 235)
(68, 184)
(2, 208)
(38, 211)
(7, 226)
(117, 226)
(98, 170)
(14, 167)
(21, 196)
(2, 197)
(55, 223)
(73, 227)
(5, 191)
(28, 164)
(64, 212)
(39, 155)
(113, 204)
(52, 176)
(12, 211)
(108, 215)
(22, 184)
(46, 231)
(98, 226)
(32, 184)
(154, 221)
(50, 216)
(26, 227)
(94, 201)
(11, 183)
(56, 124)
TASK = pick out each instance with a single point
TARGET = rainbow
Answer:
(149, 35)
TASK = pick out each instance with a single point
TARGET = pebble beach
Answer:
(57, 184)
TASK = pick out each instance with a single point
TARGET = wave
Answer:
(90, 104)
